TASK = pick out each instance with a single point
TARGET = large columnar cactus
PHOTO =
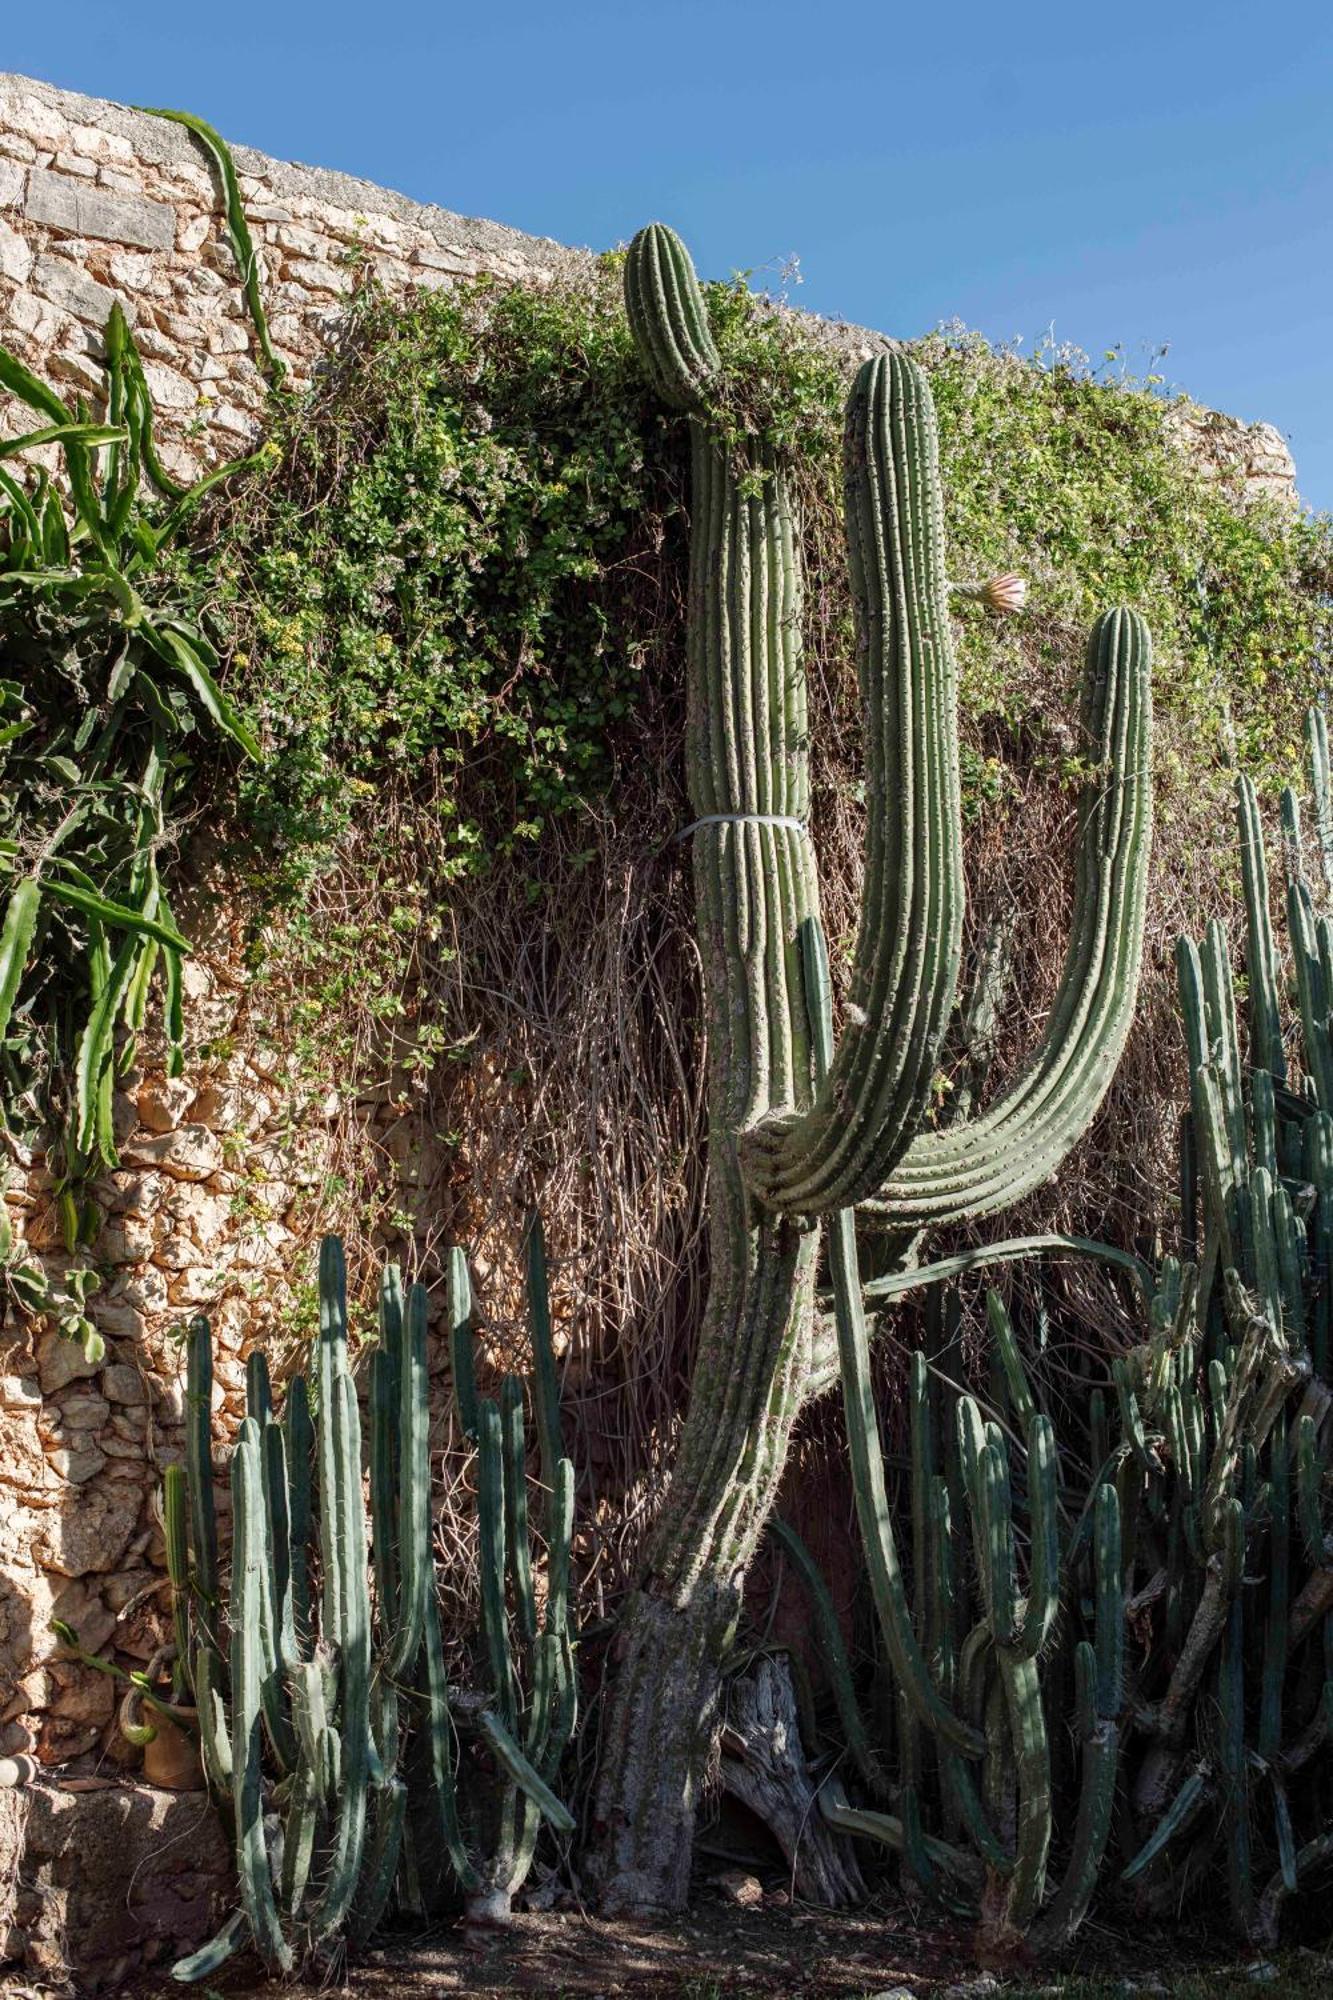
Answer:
(326, 1718)
(785, 1147)
(1178, 1579)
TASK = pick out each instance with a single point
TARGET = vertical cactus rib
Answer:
(199, 1468)
(1261, 956)
(970, 1169)
(248, 1667)
(415, 1569)
(912, 907)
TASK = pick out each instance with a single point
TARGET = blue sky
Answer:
(1135, 176)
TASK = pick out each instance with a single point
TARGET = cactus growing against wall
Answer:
(1187, 1524)
(321, 1691)
(787, 1147)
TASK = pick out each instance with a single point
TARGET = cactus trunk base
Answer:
(655, 1745)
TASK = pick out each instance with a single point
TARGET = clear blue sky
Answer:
(1136, 175)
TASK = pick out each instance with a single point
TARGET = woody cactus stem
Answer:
(785, 1149)
(747, 769)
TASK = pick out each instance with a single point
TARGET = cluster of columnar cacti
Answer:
(1186, 1517)
(789, 1146)
(326, 1719)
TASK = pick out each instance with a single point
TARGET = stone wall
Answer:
(212, 1206)
(99, 203)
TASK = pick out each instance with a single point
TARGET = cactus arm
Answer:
(889, 1831)
(214, 1738)
(175, 1506)
(440, 1737)
(669, 319)
(247, 1673)
(350, 1553)
(1316, 744)
(1043, 1599)
(299, 1435)
(872, 1504)
(385, 1420)
(415, 1568)
(491, 1535)
(275, 1603)
(384, 1488)
(910, 935)
(514, 1446)
(199, 1471)
(529, 1781)
(971, 1168)
(331, 1363)
(459, 1293)
(1261, 958)
(545, 1382)
(211, 1957)
(1010, 1250)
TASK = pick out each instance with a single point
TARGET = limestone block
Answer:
(190, 1153)
(135, 1194)
(163, 1102)
(12, 180)
(71, 162)
(76, 210)
(37, 120)
(66, 286)
(61, 1360)
(76, 1462)
(123, 1384)
(15, 256)
(20, 1392)
(90, 1532)
(141, 1287)
(169, 390)
(22, 1462)
(117, 1319)
(83, 1410)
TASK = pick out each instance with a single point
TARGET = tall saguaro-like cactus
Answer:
(785, 1147)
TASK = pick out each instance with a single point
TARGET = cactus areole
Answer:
(788, 1147)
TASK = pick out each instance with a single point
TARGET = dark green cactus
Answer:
(1181, 1609)
(308, 1719)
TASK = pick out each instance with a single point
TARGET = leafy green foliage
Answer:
(109, 675)
(441, 588)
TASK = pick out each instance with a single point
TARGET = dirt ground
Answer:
(721, 1952)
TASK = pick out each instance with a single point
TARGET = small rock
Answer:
(738, 1887)
(1262, 1972)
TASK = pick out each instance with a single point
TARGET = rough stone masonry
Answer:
(97, 203)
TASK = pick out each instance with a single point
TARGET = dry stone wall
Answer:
(214, 1206)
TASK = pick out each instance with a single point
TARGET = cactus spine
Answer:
(787, 1146)
(309, 1716)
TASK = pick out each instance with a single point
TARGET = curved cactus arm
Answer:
(889, 1831)
(669, 319)
(1011, 1250)
(529, 1781)
(211, 1957)
(248, 1664)
(910, 936)
(982, 1164)
(214, 1736)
